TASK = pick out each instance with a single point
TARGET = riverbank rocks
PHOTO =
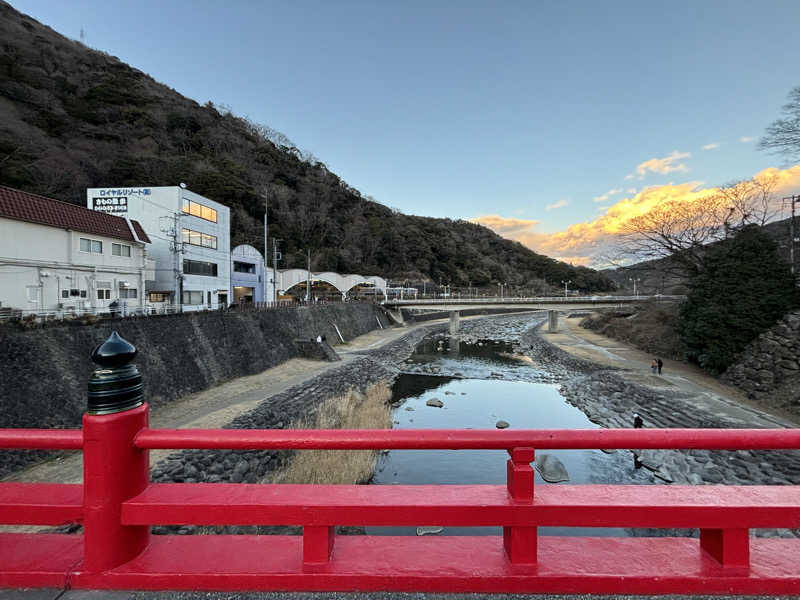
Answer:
(502, 424)
(435, 402)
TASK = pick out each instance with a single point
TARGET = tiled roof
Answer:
(24, 206)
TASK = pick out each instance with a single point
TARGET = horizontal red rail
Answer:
(41, 439)
(474, 439)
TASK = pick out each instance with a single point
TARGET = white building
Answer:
(56, 256)
(247, 278)
(190, 241)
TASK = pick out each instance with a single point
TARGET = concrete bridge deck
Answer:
(546, 302)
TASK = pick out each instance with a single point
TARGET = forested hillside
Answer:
(72, 118)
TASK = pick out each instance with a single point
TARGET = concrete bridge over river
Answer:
(560, 303)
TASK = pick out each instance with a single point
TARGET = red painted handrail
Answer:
(473, 439)
(41, 439)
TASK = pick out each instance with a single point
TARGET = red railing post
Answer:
(520, 542)
(114, 470)
(317, 545)
(729, 547)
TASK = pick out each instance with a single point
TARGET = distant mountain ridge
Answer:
(73, 118)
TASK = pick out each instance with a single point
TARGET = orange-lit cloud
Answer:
(664, 166)
(588, 242)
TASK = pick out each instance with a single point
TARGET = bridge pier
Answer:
(454, 316)
(552, 321)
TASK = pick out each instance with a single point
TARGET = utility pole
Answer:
(276, 256)
(266, 245)
(793, 200)
(308, 278)
(175, 236)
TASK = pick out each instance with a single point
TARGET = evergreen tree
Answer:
(743, 290)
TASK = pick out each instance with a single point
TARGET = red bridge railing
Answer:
(117, 504)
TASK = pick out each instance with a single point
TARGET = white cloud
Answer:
(560, 204)
(665, 165)
(711, 146)
(607, 195)
(746, 139)
(631, 176)
(630, 191)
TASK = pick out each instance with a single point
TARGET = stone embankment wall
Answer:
(44, 372)
(770, 361)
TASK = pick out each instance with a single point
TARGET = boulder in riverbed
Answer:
(502, 424)
(435, 402)
(551, 469)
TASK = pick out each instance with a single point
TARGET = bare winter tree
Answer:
(783, 135)
(681, 229)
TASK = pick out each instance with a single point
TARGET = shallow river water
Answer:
(490, 386)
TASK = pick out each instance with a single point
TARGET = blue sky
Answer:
(463, 109)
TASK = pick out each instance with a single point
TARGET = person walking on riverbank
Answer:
(654, 366)
(660, 364)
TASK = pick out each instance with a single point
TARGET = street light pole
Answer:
(635, 280)
(566, 286)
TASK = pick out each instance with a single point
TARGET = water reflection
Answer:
(479, 404)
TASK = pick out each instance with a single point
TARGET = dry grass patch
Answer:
(353, 410)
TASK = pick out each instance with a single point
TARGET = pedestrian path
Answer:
(706, 390)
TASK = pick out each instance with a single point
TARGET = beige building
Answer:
(56, 256)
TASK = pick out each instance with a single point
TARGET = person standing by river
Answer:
(654, 366)
(660, 364)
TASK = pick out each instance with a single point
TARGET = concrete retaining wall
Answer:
(44, 371)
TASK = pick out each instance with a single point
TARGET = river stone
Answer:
(435, 402)
(608, 450)
(501, 424)
(409, 408)
(429, 530)
(551, 469)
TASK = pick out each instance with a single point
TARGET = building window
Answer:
(94, 246)
(120, 250)
(196, 238)
(192, 297)
(198, 267)
(198, 210)
(157, 297)
(65, 293)
(242, 267)
(83, 293)
(127, 293)
(103, 290)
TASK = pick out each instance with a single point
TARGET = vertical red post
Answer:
(520, 542)
(114, 470)
(317, 545)
(729, 547)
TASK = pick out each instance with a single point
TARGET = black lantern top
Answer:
(115, 386)
(116, 351)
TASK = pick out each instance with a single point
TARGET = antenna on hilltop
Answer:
(83, 36)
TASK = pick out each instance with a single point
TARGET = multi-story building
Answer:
(247, 276)
(190, 241)
(56, 256)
